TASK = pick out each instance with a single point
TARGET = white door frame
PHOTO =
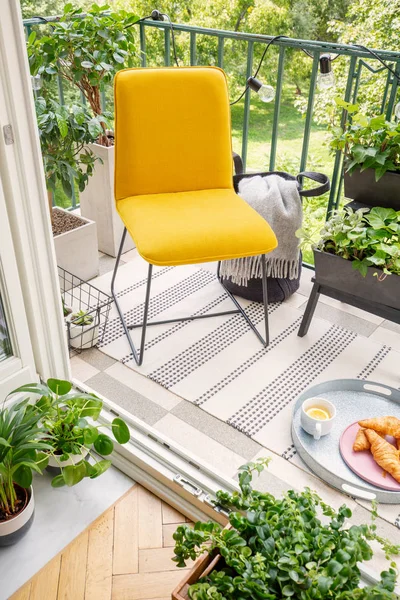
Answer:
(22, 176)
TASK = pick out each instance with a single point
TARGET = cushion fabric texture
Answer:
(173, 168)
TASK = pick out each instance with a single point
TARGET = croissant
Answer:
(385, 455)
(361, 442)
(385, 425)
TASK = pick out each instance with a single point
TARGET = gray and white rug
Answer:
(219, 365)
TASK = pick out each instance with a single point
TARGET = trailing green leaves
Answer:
(368, 142)
(280, 548)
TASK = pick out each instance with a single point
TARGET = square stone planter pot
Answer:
(362, 187)
(98, 203)
(76, 250)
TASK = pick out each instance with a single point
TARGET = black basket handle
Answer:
(319, 178)
(237, 163)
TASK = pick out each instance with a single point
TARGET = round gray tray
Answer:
(354, 400)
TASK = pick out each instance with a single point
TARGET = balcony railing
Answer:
(358, 64)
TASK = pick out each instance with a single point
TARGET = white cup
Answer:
(317, 427)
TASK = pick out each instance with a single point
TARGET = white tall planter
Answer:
(98, 204)
(76, 250)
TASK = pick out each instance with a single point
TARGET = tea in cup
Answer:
(317, 416)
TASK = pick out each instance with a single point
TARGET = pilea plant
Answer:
(280, 548)
(368, 239)
(86, 49)
(69, 422)
(368, 142)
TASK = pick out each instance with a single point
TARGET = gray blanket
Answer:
(278, 201)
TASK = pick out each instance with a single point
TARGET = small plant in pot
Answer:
(371, 148)
(22, 451)
(279, 548)
(83, 329)
(69, 420)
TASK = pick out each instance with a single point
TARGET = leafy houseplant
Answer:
(86, 49)
(280, 548)
(368, 142)
(64, 134)
(22, 451)
(69, 421)
(367, 239)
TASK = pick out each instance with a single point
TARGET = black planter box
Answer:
(336, 278)
(362, 187)
(338, 273)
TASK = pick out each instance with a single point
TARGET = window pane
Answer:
(5, 341)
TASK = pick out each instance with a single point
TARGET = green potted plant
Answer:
(279, 548)
(64, 133)
(83, 329)
(371, 147)
(357, 260)
(86, 49)
(69, 420)
(22, 450)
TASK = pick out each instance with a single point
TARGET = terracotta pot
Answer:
(12, 530)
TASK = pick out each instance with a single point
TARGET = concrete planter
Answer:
(14, 529)
(76, 250)
(98, 204)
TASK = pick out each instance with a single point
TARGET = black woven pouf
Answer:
(278, 289)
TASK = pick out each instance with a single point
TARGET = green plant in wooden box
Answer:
(282, 548)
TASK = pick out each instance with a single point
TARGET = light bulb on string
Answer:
(265, 92)
(325, 78)
(397, 111)
(36, 82)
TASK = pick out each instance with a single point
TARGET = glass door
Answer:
(16, 357)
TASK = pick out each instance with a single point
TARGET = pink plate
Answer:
(362, 463)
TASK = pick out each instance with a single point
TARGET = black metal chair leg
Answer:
(137, 356)
(310, 309)
(265, 342)
(265, 298)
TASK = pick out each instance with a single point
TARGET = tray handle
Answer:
(357, 492)
(380, 389)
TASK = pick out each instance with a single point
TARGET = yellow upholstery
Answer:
(173, 168)
(193, 227)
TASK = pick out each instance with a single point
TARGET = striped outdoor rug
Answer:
(219, 365)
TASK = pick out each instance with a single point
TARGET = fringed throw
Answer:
(278, 201)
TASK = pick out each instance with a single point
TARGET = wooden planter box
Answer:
(202, 567)
(362, 187)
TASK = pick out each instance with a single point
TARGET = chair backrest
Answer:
(172, 131)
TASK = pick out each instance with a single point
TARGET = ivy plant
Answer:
(69, 421)
(64, 133)
(281, 548)
(368, 142)
(85, 49)
(366, 238)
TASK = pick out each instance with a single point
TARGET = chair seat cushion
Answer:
(194, 227)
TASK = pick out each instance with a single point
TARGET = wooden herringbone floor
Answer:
(124, 555)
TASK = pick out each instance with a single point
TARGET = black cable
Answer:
(272, 40)
(375, 55)
(173, 38)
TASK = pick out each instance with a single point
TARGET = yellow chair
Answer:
(174, 181)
